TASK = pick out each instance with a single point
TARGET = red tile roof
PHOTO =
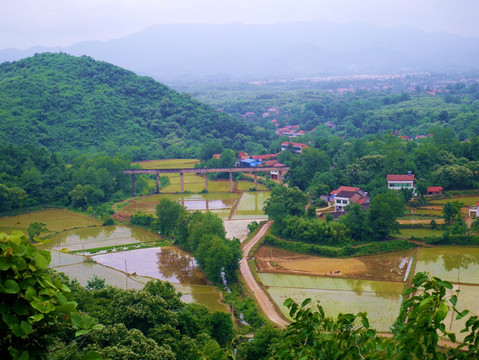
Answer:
(294, 144)
(400, 177)
(264, 157)
(269, 163)
(344, 188)
(435, 189)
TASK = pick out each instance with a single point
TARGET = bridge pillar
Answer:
(157, 183)
(182, 182)
(133, 188)
(256, 181)
(231, 181)
(206, 181)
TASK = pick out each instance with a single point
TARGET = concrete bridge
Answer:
(255, 170)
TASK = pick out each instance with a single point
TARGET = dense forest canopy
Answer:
(76, 104)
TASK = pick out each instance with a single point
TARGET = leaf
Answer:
(82, 332)
(288, 302)
(462, 314)
(365, 322)
(4, 265)
(11, 287)
(67, 307)
(453, 300)
(444, 283)
(306, 302)
(35, 318)
(92, 355)
(425, 301)
(41, 261)
(26, 327)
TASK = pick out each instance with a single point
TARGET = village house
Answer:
(434, 190)
(398, 182)
(474, 211)
(345, 195)
(297, 147)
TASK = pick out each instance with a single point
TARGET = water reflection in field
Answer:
(451, 263)
(165, 263)
(380, 299)
(100, 236)
(214, 202)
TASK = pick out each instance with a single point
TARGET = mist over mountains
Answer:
(176, 53)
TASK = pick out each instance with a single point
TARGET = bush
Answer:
(109, 221)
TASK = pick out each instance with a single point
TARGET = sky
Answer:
(60, 23)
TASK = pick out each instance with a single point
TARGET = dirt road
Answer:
(263, 300)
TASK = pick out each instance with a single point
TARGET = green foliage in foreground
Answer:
(41, 319)
(314, 335)
(34, 308)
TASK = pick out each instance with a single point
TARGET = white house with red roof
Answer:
(298, 147)
(345, 195)
(398, 182)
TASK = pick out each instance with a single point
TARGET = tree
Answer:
(167, 214)
(35, 229)
(451, 212)
(356, 221)
(209, 148)
(285, 201)
(384, 209)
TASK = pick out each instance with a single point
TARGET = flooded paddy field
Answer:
(166, 263)
(380, 299)
(54, 219)
(100, 236)
(131, 269)
(237, 206)
(219, 203)
(452, 263)
(251, 205)
(388, 267)
(237, 228)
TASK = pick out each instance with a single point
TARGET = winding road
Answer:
(263, 300)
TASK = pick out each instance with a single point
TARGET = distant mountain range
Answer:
(176, 53)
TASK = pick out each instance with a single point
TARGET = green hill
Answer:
(70, 104)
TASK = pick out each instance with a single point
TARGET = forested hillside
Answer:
(76, 104)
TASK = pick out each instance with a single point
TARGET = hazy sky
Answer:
(25, 23)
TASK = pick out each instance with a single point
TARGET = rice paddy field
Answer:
(380, 299)
(98, 237)
(466, 200)
(452, 263)
(419, 233)
(251, 205)
(167, 164)
(235, 206)
(192, 182)
(55, 219)
(134, 268)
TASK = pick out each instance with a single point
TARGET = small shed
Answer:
(434, 190)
